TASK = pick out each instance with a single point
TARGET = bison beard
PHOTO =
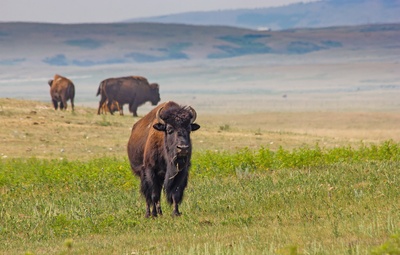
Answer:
(159, 151)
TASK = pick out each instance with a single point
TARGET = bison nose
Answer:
(182, 149)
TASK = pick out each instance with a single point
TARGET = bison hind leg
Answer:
(101, 105)
(72, 104)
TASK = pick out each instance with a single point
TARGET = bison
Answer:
(159, 151)
(61, 90)
(132, 90)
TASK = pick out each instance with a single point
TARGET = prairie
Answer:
(261, 183)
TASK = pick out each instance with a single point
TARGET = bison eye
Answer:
(170, 130)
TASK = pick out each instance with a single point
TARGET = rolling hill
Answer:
(107, 44)
(325, 13)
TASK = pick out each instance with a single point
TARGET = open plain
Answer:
(35, 129)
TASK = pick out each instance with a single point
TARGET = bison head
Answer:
(177, 122)
(154, 93)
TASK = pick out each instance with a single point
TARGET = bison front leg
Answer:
(133, 108)
(176, 199)
(158, 208)
(176, 211)
(153, 206)
(153, 209)
(174, 189)
(145, 189)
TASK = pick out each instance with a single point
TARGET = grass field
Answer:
(265, 183)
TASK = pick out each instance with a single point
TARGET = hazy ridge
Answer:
(318, 14)
(106, 44)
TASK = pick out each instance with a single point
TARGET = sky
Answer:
(104, 11)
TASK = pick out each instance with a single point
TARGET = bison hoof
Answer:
(152, 215)
(176, 213)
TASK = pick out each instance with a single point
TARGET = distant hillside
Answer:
(108, 44)
(325, 13)
(338, 67)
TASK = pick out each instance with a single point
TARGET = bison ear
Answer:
(50, 82)
(159, 127)
(194, 126)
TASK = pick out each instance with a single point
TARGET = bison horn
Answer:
(193, 113)
(161, 121)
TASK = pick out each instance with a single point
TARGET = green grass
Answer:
(227, 163)
(305, 201)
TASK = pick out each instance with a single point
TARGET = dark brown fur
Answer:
(61, 90)
(131, 90)
(160, 154)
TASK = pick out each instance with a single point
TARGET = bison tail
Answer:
(71, 90)
(98, 91)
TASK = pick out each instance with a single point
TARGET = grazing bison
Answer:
(132, 90)
(61, 90)
(159, 151)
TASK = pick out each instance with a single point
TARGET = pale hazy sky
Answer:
(97, 11)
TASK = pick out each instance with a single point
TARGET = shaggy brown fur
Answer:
(159, 151)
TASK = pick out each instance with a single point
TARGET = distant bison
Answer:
(61, 90)
(131, 90)
(159, 151)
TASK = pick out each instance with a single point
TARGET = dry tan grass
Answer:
(294, 129)
(35, 129)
